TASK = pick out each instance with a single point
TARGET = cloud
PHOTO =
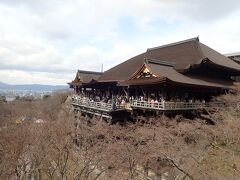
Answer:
(52, 39)
(24, 77)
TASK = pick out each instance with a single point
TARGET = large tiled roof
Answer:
(183, 55)
(124, 70)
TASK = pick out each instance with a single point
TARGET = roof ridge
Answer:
(89, 72)
(198, 47)
(158, 62)
(232, 54)
(175, 43)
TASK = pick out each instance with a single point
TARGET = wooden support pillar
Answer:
(147, 94)
(164, 92)
(127, 94)
(76, 89)
(136, 92)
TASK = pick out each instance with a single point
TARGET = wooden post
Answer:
(136, 93)
(164, 92)
(128, 94)
(84, 91)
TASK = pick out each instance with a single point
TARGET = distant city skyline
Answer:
(45, 42)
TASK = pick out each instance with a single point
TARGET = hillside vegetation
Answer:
(61, 147)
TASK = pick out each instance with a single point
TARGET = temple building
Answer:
(181, 76)
(236, 58)
(82, 78)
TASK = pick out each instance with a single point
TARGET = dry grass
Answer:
(166, 147)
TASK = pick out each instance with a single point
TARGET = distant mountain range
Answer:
(32, 87)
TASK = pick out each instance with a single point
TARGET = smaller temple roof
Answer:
(83, 77)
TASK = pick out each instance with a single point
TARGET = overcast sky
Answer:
(46, 41)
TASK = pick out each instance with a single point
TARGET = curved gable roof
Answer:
(165, 72)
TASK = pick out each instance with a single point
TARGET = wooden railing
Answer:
(165, 105)
(147, 105)
(174, 105)
(182, 105)
(81, 101)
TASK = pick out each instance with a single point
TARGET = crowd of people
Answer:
(118, 99)
(122, 100)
